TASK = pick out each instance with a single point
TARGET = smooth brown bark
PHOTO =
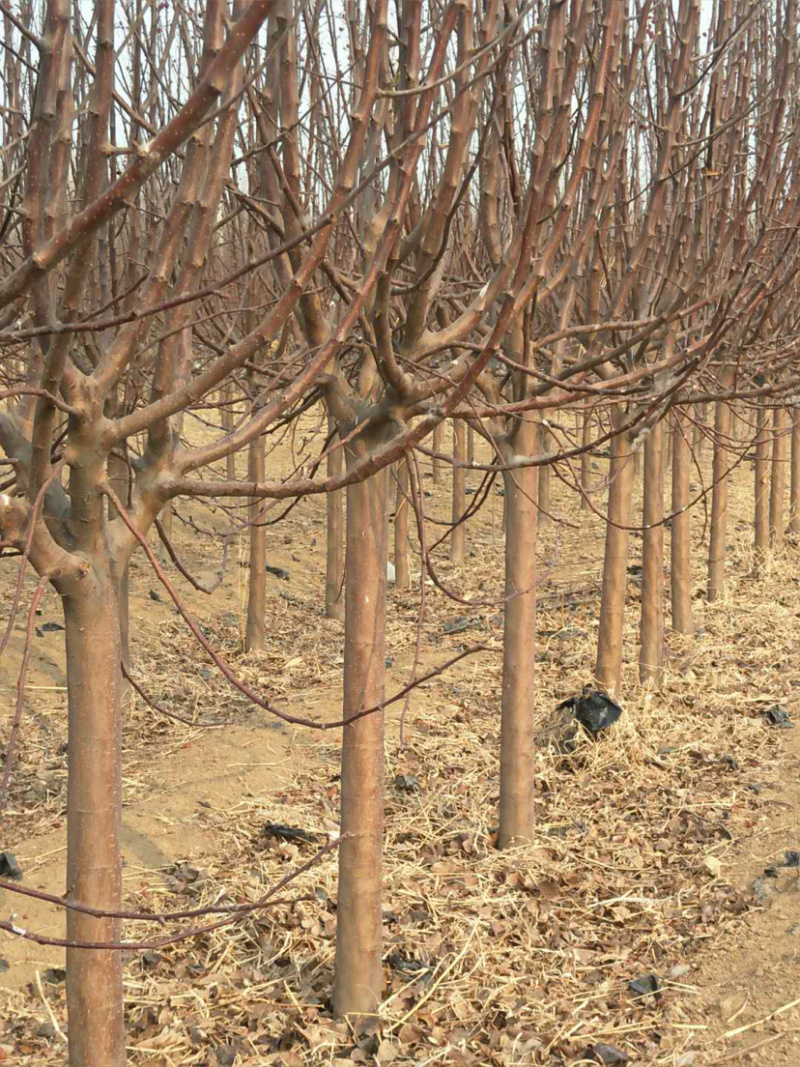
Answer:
(358, 977)
(544, 495)
(94, 977)
(517, 735)
(458, 534)
(608, 669)
(118, 479)
(227, 425)
(257, 578)
(719, 499)
(681, 564)
(651, 653)
(167, 516)
(401, 572)
(334, 555)
(777, 491)
(666, 447)
(699, 435)
(637, 465)
(762, 487)
(586, 463)
(794, 498)
(438, 446)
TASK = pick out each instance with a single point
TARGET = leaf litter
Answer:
(521, 957)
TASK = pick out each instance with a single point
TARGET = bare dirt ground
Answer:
(650, 839)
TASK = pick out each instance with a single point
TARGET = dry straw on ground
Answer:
(521, 957)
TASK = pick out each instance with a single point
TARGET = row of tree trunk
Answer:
(356, 579)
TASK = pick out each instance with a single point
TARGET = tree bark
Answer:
(637, 465)
(719, 499)
(517, 744)
(257, 579)
(227, 425)
(587, 481)
(458, 534)
(778, 484)
(402, 578)
(666, 447)
(794, 505)
(699, 435)
(651, 653)
(334, 557)
(681, 565)
(615, 566)
(94, 977)
(118, 480)
(545, 479)
(166, 520)
(438, 446)
(358, 977)
(762, 488)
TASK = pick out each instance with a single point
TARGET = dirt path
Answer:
(173, 823)
(747, 984)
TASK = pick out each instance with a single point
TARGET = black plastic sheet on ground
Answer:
(593, 709)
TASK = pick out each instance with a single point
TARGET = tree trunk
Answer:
(517, 745)
(762, 488)
(94, 977)
(257, 581)
(438, 446)
(666, 447)
(794, 505)
(227, 425)
(587, 481)
(651, 653)
(165, 519)
(699, 435)
(615, 566)
(118, 480)
(681, 566)
(545, 478)
(719, 499)
(457, 535)
(334, 558)
(778, 484)
(358, 978)
(637, 465)
(168, 512)
(401, 574)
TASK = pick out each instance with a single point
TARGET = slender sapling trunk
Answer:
(458, 534)
(358, 977)
(651, 654)
(615, 566)
(681, 564)
(517, 744)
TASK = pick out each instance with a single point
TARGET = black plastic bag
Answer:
(288, 833)
(646, 986)
(593, 709)
(607, 1055)
(779, 716)
(9, 868)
